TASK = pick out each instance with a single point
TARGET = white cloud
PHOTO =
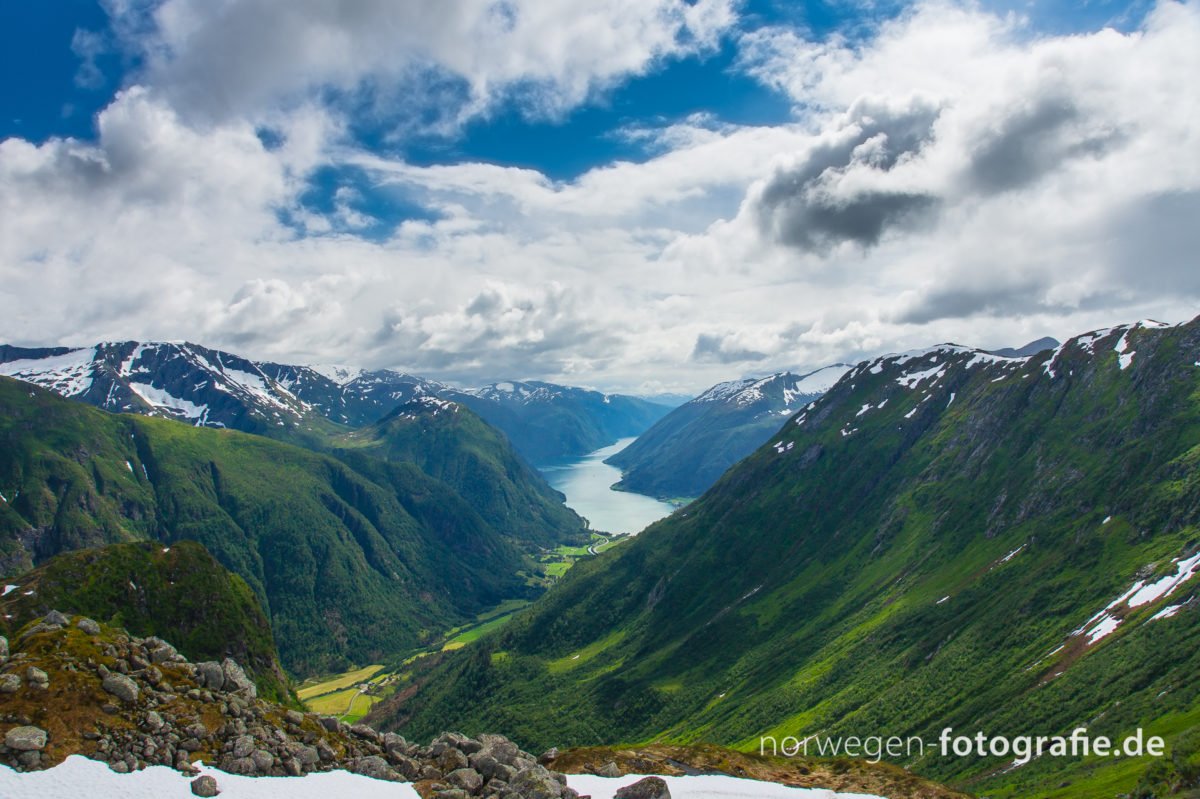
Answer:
(235, 57)
(1055, 179)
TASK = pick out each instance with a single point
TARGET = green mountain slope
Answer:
(687, 450)
(178, 592)
(449, 442)
(945, 538)
(349, 567)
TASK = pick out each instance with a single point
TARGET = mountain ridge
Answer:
(685, 452)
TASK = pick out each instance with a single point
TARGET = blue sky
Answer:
(798, 183)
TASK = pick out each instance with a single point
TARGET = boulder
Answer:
(549, 756)
(452, 759)
(88, 626)
(121, 687)
(468, 779)
(264, 761)
(36, 677)
(645, 788)
(9, 683)
(54, 617)
(26, 739)
(205, 786)
(535, 783)
(609, 769)
(243, 746)
(374, 767)
(3, 649)
(209, 674)
(236, 679)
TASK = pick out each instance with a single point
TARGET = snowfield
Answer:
(77, 776)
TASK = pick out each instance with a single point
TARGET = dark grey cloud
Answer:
(800, 207)
(718, 348)
(1156, 244)
(1034, 142)
(963, 301)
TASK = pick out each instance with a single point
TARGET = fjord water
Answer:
(587, 483)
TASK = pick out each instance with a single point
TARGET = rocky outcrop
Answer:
(77, 687)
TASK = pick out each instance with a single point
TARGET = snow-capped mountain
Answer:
(687, 450)
(212, 388)
(179, 381)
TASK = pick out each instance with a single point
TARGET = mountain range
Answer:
(945, 538)
(212, 388)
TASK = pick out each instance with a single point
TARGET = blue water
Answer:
(586, 481)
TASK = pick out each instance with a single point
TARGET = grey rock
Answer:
(3, 649)
(406, 766)
(121, 687)
(294, 717)
(9, 683)
(329, 723)
(236, 679)
(205, 786)
(452, 793)
(30, 759)
(308, 756)
(503, 773)
(468, 779)
(119, 766)
(243, 746)
(263, 761)
(373, 766)
(54, 617)
(89, 626)
(210, 675)
(292, 767)
(485, 764)
(367, 733)
(469, 747)
(36, 677)
(452, 759)
(609, 769)
(154, 721)
(40, 627)
(549, 756)
(645, 788)
(535, 783)
(26, 739)
(160, 651)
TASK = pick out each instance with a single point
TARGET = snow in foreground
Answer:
(77, 776)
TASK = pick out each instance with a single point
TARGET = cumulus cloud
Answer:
(447, 60)
(843, 188)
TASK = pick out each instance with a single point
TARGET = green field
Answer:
(338, 682)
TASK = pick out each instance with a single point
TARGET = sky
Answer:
(644, 196)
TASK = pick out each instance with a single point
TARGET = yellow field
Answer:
(337, 683)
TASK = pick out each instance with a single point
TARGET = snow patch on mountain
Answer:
(159, 398)
(337, 373)
(1106, 621)
(69, 374)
